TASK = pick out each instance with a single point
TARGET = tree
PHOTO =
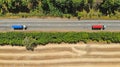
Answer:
(4, 6)
(91, 3)
(109, 6)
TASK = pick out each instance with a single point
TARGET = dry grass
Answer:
(62, 55)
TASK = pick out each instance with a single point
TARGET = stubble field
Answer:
(61, 55)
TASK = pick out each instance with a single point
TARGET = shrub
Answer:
(79, 15)
(29, 42)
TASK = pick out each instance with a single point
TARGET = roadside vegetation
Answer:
(31, 40)
(81, 9)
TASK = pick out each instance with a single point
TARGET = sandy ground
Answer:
(61, 55)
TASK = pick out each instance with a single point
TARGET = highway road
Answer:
(59, 25)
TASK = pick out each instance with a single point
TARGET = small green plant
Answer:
(79, 15)
(29, 42)
(67, 16)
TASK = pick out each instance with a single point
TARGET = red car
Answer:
(98, 27)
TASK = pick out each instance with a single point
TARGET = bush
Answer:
(29, 42)
(79, 15)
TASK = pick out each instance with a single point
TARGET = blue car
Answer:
(19, 27)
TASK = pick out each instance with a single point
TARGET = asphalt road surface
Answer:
(59, 25)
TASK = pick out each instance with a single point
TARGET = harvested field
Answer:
(61, 55)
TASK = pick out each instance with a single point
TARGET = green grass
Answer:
(32, 39)
(43, 38)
